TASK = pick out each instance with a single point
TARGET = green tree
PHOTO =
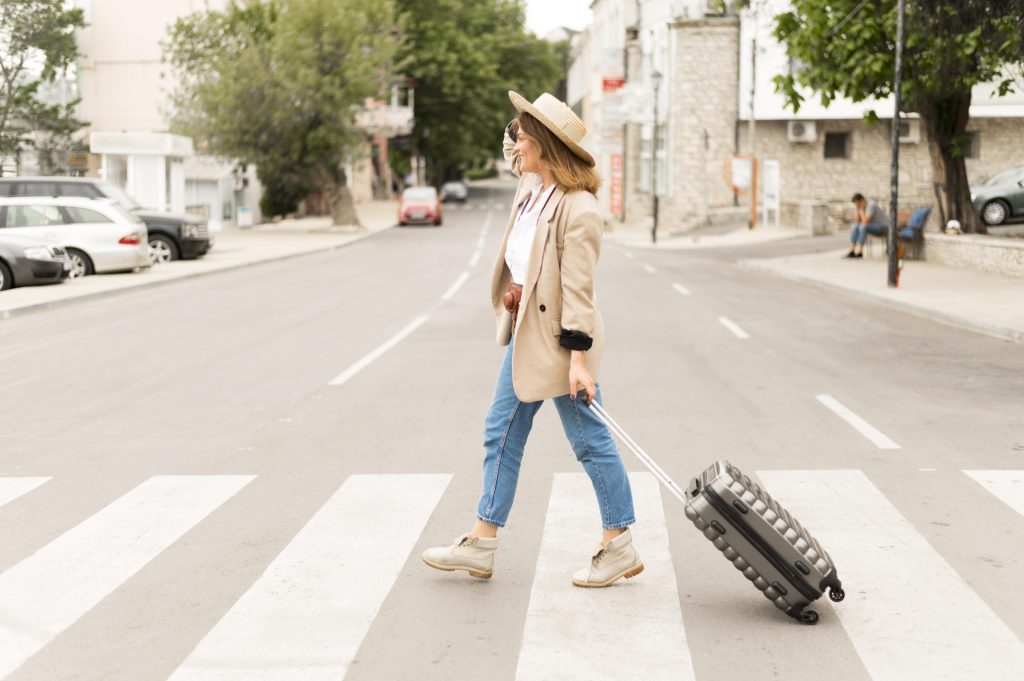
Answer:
(278, 83)
(37, 45)
(465, 57)
(847, 48)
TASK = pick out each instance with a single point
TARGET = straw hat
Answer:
(558, 118)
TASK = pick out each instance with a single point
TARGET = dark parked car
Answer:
(1000, 197)
(27, 262)
(171, 235)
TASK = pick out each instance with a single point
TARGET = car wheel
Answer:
(81, 264)
(994, 213)
(162, 249)
(6, 278)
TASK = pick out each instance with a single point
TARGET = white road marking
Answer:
(734, 327)
(863, 427)
(629, 254)
(1007, 485)
(573, 633)
(12, 488)
(47, 592)
(476, 257)
(682, 289)
(306, 616)
(368, 359)
(909, 615)
(649, 269)
(454, 288)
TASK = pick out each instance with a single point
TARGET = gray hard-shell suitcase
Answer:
(759, 537)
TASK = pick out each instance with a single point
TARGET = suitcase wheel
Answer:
(809, 617)
(836, 595)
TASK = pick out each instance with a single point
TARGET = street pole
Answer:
(894, 176)
(656, 78)
(752, 125)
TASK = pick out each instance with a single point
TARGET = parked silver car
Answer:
(98, 234)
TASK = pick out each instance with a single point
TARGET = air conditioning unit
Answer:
(802, 131)
(910, 131)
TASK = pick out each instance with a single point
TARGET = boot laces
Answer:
(596, 560)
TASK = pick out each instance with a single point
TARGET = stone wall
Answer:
(806, 175)
(703, 98)
(976, 252)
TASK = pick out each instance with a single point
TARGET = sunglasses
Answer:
(512, 130)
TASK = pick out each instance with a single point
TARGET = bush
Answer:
(281, 195)
(480, 173)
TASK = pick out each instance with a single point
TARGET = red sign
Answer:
(612, 84)
(615, 189)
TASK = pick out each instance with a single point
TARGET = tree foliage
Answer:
(464, 57)
(846, 48)
(37, 46)
(278, 83)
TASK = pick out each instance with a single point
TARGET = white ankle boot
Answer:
(610, 562)
(475, 555)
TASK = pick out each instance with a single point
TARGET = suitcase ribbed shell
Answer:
(774, 516)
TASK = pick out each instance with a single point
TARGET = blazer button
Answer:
(542, 308)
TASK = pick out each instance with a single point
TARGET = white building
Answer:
(125, 89)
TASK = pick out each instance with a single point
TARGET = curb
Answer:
(53, 304)
(994, 330)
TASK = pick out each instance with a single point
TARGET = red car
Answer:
(419, 205)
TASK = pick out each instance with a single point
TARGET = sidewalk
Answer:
(988, 303)
(232, 248)
(716, 236)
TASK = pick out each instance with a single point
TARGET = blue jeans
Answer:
(508, 425)
(859, 232)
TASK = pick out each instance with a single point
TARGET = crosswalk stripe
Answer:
(306, 616)
(573, 633)
(909, 615)
(1007, 485)
(12, 488)
(47, 592)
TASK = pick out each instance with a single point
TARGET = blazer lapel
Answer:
(540, 238)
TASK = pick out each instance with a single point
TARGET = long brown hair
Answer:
(570, 172)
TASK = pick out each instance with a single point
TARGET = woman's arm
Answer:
(511, 159)
(581, 249)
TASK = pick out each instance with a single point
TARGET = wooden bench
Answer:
(910, 230)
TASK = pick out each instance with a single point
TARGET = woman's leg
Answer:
(506, 429)
(594, 448)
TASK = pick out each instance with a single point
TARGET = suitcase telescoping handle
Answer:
(651, 464)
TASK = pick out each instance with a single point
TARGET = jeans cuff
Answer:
(489, 521)
(617, 526)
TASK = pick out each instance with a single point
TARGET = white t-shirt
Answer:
(520, 239)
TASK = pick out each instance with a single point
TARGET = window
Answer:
(39, 189)
(88, 215)
(837, 145)
(972, 145)
(78, 189)
(33, 216)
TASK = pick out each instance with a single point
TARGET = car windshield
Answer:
(1006, 176)
(119, 195)
(122, 211)
(419, 194)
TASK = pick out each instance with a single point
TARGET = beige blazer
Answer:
(558, 292)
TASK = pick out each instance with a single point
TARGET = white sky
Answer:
(544, 15)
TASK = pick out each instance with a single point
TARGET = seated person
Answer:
(871, 219)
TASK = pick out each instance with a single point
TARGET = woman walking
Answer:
(542, 290)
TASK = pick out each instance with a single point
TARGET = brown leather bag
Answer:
(511, 301)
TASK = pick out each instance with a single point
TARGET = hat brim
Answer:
(522, 105)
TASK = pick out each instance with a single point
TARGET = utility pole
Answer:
(656, 80)
(894, 176)
(752, 125)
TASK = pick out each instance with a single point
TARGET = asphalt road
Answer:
(183, 491)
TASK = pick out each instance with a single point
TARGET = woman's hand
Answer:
(579, 376)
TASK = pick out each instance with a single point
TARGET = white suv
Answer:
(99, 235)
